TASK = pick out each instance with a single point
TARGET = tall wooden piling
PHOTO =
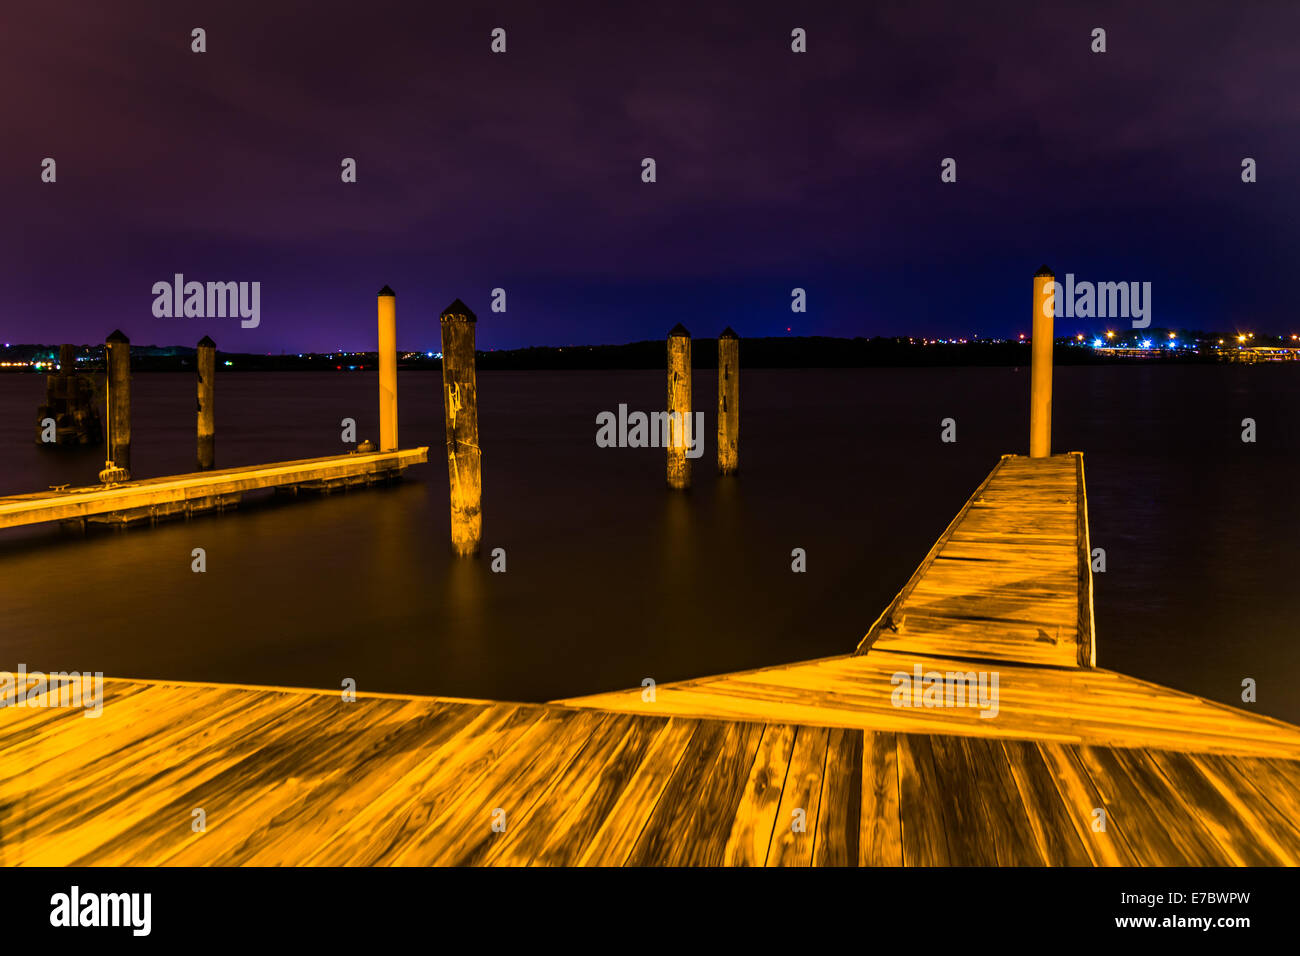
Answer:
(117, 356)
(460, 410)
(728, 402)
(679, 406)
(207, 423)
(388, 369)
(1040, 376)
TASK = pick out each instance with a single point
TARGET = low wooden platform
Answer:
(177, 493)
(818, 763)
(304, 778)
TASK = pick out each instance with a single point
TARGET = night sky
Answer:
(523, 170)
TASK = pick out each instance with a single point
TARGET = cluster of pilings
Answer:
(117, 359)
(680, 405)
(460, 411)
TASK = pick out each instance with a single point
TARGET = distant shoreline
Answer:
(771, 352)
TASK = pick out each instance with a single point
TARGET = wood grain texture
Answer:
(302, 777)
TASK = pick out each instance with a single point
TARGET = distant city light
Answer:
(228, 362)
(1097, 343)
(1146, 343)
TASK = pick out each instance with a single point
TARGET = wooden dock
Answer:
(203, 490)
(804, 764)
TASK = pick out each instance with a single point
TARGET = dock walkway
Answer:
(804, 764)
(179, 493)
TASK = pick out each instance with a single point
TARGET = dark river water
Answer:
(612, 578)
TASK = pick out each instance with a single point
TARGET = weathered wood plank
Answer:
(751, 832)
(794, 832)
(881, 840)
(920, 796)
(838, 822)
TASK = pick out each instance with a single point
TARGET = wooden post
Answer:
(1040, 375)
(679, 406)
(207, 428)
(728, 402)
(460, 408)
(388, 369)
(117, 354)
(67, 360)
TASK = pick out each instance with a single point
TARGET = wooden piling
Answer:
(1040, 377)
(460, 409)
(679, 406)
(728, 402)
(117, 356)
(388, 369)
(207, 423)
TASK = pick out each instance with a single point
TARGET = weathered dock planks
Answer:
(173, 492)
(304, 778)
(1010, 579)
(1075, 705)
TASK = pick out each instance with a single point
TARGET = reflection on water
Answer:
(610, 577)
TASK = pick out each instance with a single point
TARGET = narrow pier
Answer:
(814, 763)
(203, 490)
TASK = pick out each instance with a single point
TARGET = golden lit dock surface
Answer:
(300, 777)
(817, 763)
(1091, 706)
(1010, 577)
(175, 492)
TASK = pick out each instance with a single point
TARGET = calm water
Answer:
(611, 578)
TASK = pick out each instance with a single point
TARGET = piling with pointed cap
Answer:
(728, 402)
(387, 369)
(679, 406)
(460, 412)
(1040, 373)
(117, 356)
(207, 423)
